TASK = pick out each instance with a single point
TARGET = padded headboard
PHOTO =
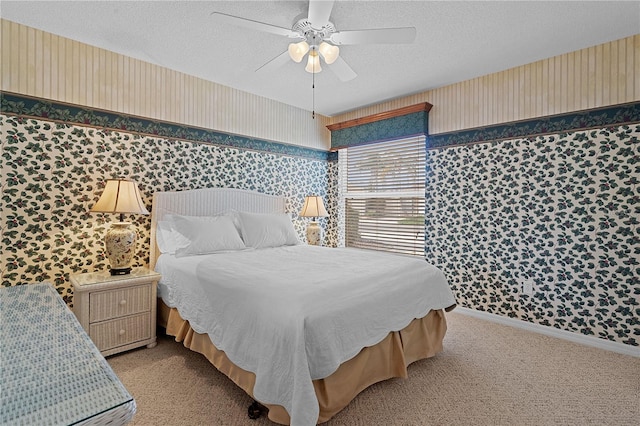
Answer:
(208, 202)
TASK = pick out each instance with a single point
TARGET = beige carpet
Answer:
(488, 374)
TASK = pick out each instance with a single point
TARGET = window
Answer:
(383, 193)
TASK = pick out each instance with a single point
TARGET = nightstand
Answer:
(117, 311)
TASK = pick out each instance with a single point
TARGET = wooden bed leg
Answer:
(256, 410)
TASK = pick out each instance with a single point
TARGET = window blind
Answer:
(384, 196)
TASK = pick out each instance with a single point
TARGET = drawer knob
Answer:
(122, 332)
(123, 302)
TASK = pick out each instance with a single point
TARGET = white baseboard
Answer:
(554, 332)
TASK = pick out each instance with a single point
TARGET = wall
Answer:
(53, 170)
(40, 64)
(607, 74)
(559, 210)
(74, 115)
(46, 66)
(532, 175)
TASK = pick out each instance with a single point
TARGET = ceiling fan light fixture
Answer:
(298, 50)
(313, 64)
(329, 52)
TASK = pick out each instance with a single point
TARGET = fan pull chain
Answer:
(313, 92)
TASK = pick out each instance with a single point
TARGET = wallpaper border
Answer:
(33, 107)
(581, 120)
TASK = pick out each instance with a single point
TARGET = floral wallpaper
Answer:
(560, 211)
(54, 171)
(529, 202)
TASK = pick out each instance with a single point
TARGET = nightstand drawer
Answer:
(119, 332)
(104, 305)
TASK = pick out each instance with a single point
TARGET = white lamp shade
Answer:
(313, 64)
(298, 50)
(313, 207)
(329, 52)
(120, 196)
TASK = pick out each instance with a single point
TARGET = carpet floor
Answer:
(488, 374)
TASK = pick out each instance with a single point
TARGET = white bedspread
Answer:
(294, 314)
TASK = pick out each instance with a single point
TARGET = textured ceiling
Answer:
(455, 41)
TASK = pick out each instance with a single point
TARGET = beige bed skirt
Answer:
(422, 338)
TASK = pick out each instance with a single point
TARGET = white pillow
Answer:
(267, 230)
(167, 238)
(207, 234)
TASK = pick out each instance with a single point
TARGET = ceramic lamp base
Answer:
(313, 234)
(120, 243)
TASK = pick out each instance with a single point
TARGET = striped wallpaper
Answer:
(44, 65)
(603, 75)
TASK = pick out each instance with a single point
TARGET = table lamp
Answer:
(313, 207)
(120, 196)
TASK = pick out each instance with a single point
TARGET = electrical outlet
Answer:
(527, 287)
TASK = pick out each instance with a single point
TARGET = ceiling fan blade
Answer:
(319, 13)
(275, 63)
(253, 25)
(342, 70)
(377, 36)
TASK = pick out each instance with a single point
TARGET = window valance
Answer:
(399, 123)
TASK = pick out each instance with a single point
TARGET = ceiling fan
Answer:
(318, 37)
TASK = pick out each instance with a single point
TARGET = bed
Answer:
(301, 329)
